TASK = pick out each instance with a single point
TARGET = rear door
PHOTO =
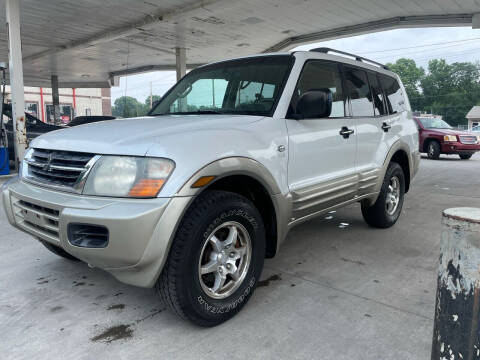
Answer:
(321, 166)
(375, 125)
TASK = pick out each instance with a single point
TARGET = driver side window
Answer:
(321, 75)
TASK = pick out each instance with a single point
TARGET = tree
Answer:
(127, 106)
(411, 76)
(451, 90)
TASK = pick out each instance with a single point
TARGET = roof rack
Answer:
(326, 50)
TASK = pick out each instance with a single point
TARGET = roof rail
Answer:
(326, 50)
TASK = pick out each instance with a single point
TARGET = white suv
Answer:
(193, 197)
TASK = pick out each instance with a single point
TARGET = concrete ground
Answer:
(332, 292)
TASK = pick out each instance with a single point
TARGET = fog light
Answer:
(87, 235)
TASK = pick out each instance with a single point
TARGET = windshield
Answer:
(249, 86)
(434, 123)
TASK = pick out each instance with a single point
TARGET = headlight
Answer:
(127, 176)
(451, 138)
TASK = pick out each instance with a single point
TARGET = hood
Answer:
(450, 131)
(135, 136)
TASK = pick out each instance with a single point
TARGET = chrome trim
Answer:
(77, 188)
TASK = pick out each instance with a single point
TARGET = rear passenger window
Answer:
(318, 75)
(394, 96)
(377, 94)
(359, 92)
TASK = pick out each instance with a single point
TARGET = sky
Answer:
(455, 44)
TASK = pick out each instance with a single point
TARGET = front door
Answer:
(321, 165)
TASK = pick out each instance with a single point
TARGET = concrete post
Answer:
(457, 312)
(55, 100)
(181, 63)
(16, 78)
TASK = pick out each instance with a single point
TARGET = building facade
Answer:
(73, 102)
(473, 117)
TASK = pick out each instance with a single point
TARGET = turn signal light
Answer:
(146, 188)
(204, 180)
(451, 138)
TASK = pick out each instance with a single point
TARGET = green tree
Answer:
(411, 76)
(451, 90)
(127, 106)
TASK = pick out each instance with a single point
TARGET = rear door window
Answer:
(394, 95)
(379, 106)
(358, 92)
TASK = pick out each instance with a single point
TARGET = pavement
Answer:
(333, 292)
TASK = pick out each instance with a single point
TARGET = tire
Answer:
(59, 251)
(465, 156)
(181, 286)
(380, 214)
(433, 150)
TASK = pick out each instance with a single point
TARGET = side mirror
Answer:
(314, 104)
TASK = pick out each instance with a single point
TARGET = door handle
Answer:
(346, 132)
(386, 127)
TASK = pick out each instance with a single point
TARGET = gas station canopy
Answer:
(89, 43)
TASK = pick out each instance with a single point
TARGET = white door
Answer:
(377, 113)
(321, 165)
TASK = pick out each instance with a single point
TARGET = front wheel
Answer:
(433, 150)
(215, 260)
(465, 156)
(386, 210)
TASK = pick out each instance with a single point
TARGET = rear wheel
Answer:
(465, 156)
(386, 210)
(215, 260)
(433, 150)
(59, 251)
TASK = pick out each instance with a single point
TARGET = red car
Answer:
(437, 137)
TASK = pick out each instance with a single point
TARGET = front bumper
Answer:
(140, 230)
(459, 148)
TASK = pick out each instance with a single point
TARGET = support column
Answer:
(181, 57)
(55, 101)
(456, 333)
(16, 78)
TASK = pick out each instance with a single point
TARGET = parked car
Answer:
(193, 197)
(35, 127)
(438, 137)
(82, 120)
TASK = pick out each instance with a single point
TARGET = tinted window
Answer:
(359, 92)
(318, 75)
(394, 101)
(377, 94)
(247, 86)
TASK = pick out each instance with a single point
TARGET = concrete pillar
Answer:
(457, 312)
(16, 78)
(56, 100)
(181, 64)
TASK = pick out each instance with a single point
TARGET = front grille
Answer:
(468, 139)
(37, 219)
(60, 168)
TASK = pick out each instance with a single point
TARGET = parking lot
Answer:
(333, 292)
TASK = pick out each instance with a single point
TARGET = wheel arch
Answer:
(251, 179)
(427, 141)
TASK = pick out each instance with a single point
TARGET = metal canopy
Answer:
(90, 43)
